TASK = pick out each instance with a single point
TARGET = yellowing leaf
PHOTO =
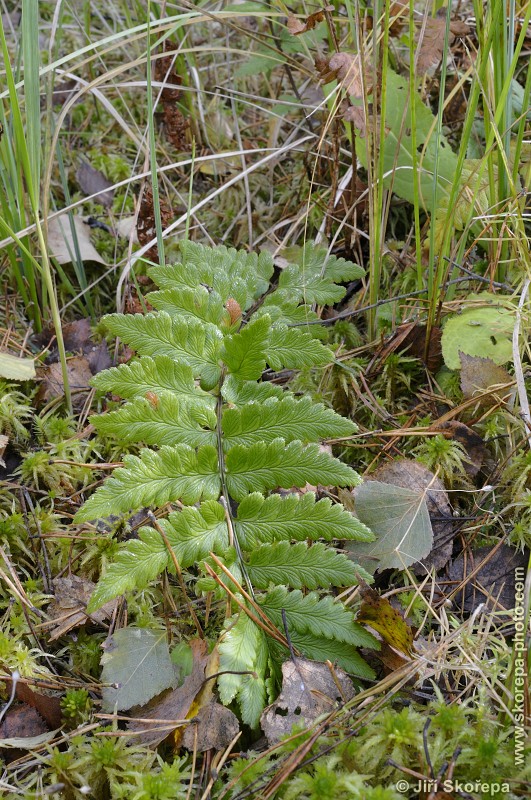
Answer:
(378, 612)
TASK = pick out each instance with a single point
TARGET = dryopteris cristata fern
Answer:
(218, 439)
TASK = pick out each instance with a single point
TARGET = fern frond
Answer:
(269, 466)
(269, 519)
(230, 273)
(323, 649)
(293, 348)
(314, 260)
(243, 648)
(196, 304)
(160, 334)
(287, 419)
(168, 421)
(193, 533)
(137, 563)
(244, 352)
(240, 393)
(286, 311)
(157, 375)
(309, 614)
(298, 565)
(153, 479)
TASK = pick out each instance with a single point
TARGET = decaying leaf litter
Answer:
(425, 307)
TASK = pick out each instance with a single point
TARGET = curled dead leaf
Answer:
(431, 45)
(353, 74)
(309, 689)
(213, 728)
(296, 26)
(378, 612)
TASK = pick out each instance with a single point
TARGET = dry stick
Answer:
(266, 626)
(182, 584)
(518, 371)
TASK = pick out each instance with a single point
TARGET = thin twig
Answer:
(518, 371)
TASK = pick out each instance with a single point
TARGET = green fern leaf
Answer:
(160, 334)
(293, 348)
(168, 422)
(315, 260)
(195, 304)
(285, 311)
(157, 375)
(243, 353)
(240, 393)
(287, 419)
(153, 479)
(193, 533)
(137, 563)
(269, 466)
(295, 282)
(322, 649)
(308, 614)
(295, 517)
(243, 648)
(298, 565)
(230, 273)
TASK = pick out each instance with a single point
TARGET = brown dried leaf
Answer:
(478, 378)
(356, 115)
(349, 69)
(430, 48)
(213, 728)
(145, 225)
(494, 582)
(61, 241)
(79, 375)
(297, 26)
(62, 92)
(309, 689)
(68, 609)
(48, 705)
(172, 706)
(22, 721)
(91, 180)
(412, 475)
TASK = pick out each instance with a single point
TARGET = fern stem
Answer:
(260, 619)
(180, 578)
(225, 497)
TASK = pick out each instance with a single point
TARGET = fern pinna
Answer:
(218, 441)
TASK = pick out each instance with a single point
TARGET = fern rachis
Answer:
(217, 441)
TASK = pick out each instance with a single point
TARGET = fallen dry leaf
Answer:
(48, 705)
(212, 728)
(68, 609)
(22, 721)
(349, 69)
(378, 612)
(479, 376)
(297, 26)
(309, 689)
(172, 706)
(61, 241)
(431, 46)
(415, 476)
(494, 582)
(51, 376)
(356, 115)
(93, 182)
